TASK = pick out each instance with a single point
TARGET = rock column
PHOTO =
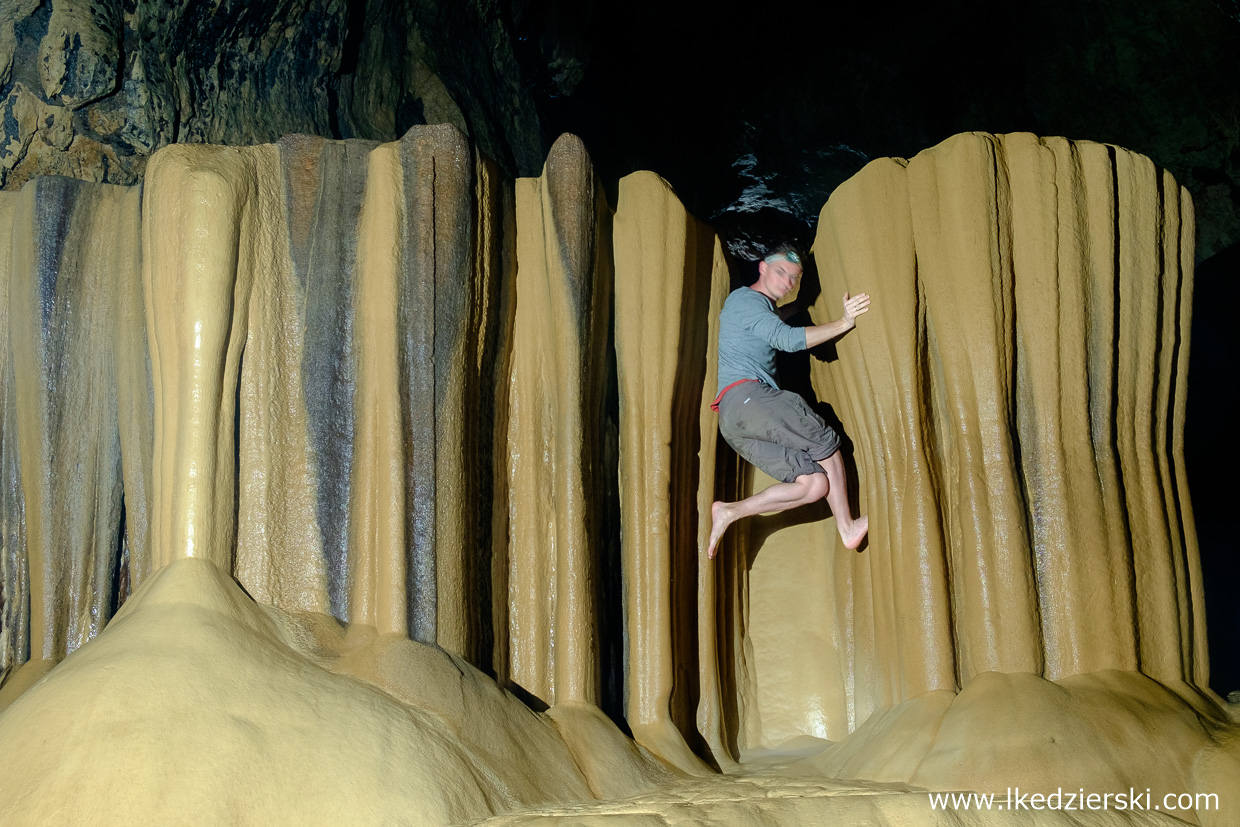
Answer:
(556, 385)
(1016, 403)
(670, 277)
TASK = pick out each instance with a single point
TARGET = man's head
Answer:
(779, 273)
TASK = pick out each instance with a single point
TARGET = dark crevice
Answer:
(1114, 406)
(236, 454)
(118, 589)
(1209, 446)
(610, 613)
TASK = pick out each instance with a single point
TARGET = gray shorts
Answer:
(775, 430)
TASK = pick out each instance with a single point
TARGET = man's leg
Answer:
(799, 434)
(852, 531)
(803, 490)
(781, 496)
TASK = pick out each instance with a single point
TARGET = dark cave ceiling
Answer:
(754, 112)
(772, 105)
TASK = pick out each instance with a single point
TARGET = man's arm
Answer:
(854, 306)
(757, 315)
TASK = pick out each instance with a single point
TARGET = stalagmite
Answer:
(555, 408)
(197, 274)
(251, 715)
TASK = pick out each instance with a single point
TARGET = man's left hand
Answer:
(854, 306)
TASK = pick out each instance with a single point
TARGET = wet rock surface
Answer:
(1036, 572)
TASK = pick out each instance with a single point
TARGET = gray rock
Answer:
(79, 55)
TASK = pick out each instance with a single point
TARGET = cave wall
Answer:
(372, 382)
(339, 343)
(1015, 400)
(92, 89)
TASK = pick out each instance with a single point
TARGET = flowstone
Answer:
(327, 498)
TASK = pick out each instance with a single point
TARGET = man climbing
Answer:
(773, 429)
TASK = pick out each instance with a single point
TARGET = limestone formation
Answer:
(670, 274)
(120, 80)
(368, 322)
(555, 398)
(1016, 729)
(1059, 418)
(254, 715)
(14, 572)
(323, 321)
(79, 57)
(289, 255)
(73, 253)
(335, 421)
(11, 13)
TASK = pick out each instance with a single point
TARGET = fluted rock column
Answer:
(232, 482)
(197, 303)
(668, 269)
(72, 243)
(556, 385)
(1016, 401)
(14, 577)
(324, 183)
(425, 340)
(904, 566)
(330, 299)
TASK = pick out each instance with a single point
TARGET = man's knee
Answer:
(815, 485)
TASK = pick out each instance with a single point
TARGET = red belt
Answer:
(714, 406)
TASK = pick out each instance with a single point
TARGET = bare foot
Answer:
(857, 532)
(718, 524)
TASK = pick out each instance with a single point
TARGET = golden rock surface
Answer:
(1015, 400)
(670, 274)
(555, 397)
(343, 407)
(209, 708)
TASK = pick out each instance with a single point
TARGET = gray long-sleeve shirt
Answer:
(750, 331)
